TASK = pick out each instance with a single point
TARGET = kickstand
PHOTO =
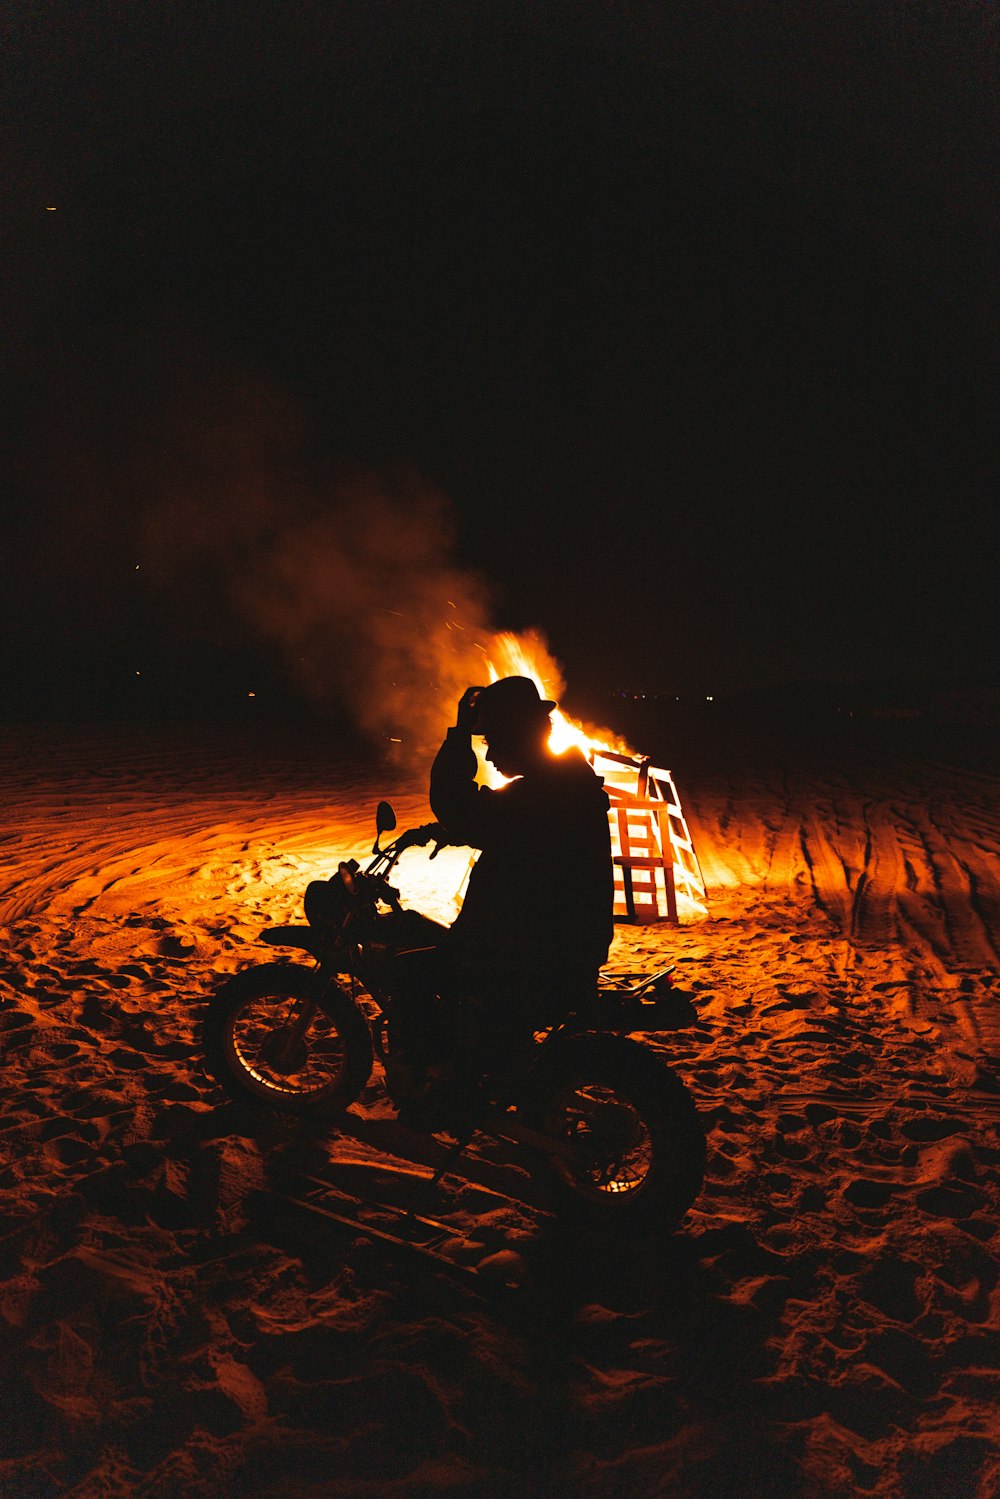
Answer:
(429, 1184)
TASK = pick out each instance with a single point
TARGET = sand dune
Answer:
(824, 1323)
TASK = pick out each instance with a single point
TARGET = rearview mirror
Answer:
(385, 818)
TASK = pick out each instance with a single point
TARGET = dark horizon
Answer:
(683, 322)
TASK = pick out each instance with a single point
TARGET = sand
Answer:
(824, 1322)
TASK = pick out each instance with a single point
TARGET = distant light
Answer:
(394, 741)
(137, 567)
(138, 673)
(251, 694)
(710, 700)
(50, 208)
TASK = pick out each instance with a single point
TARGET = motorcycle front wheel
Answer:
(278, 1035)
(627, 1145)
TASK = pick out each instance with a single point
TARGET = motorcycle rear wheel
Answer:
(628, 1146)
(253, 1046)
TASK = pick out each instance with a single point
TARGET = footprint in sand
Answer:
(68, 1149)
(931, 1129)
(954, 1200)
(13, 1020)
(865, 1192)
(130, 1061)
(891, 1285)
(819, 1113)
(91, 1103)
(95, 1013)
(172, 946)
(904, 1359)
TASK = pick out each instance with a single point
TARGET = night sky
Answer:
(685, 313)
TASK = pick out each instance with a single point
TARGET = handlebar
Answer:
(412, 838)
(419, 837)
(372, 883)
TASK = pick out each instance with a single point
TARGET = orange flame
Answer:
(528, 656)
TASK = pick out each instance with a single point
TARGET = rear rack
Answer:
(652, 1004)
(611, 983)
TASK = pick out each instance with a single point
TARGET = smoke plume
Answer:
(350, 575)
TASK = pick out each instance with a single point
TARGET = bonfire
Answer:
(657, 873)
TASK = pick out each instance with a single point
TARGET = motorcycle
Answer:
(611, 1125)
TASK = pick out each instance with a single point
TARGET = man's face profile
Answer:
(514, 745)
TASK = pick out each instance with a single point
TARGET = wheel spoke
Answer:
(611, 1145)
(284, 1048)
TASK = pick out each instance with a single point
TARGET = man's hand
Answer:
(466, 716)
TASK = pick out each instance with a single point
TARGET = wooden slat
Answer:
(649, 833)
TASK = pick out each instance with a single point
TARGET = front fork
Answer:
(286, 1043)
(296, 1027)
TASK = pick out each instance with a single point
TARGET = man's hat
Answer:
(510, 700)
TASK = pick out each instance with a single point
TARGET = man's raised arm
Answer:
(460, 806)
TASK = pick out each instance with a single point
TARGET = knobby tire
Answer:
(339, 1027)
(628, 1080)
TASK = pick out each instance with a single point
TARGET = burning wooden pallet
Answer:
(654, 855)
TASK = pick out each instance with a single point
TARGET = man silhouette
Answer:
(536, 923)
